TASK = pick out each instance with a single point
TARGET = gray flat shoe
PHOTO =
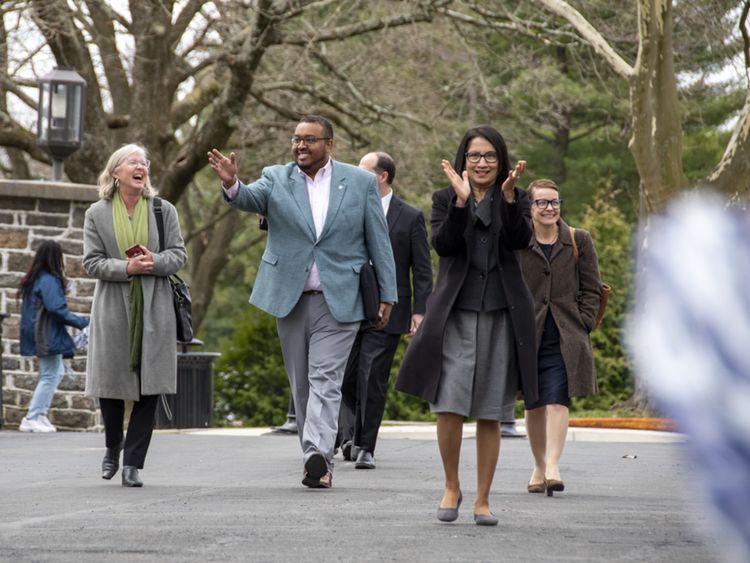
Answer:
(485, 520)
(450, 514)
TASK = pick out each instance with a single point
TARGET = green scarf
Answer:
(127, 235)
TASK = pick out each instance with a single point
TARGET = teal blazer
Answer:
(355, 232)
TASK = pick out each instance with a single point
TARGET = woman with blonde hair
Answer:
(132, 341)
(561, 269)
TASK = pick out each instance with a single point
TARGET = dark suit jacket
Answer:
(453, 238)
(411, 250)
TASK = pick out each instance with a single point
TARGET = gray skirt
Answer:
(480, 370)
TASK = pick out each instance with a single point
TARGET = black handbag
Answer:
(183, 306)
(368, 283)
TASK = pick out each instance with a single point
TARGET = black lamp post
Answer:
(62, 101)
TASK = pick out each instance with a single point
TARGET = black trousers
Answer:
(365, 385)
(140, 427)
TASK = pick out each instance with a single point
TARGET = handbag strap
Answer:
(160, 222)
(575, 246)
(160, 227)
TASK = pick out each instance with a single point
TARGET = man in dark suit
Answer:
(366, 377)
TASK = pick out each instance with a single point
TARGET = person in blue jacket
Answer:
(44, 314)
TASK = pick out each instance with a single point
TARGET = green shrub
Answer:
(400, 406)
(613, 240)
(250, 382)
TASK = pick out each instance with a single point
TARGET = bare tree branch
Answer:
(103, 34)
(424, 13)
(10, 86)
(186, 16)
(602, 47)
(111, 14)
(378, 110)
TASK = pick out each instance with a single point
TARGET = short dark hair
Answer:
(491, 135)
(541, 184)
(386, 164)
(322, 121)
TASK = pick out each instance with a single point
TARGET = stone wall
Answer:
(30, 213)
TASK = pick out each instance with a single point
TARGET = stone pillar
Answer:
(30, 213)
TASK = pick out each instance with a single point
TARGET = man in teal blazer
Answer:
(325, 220)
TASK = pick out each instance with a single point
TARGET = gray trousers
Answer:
(316, 348)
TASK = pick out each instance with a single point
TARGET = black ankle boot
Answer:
(130, 476)
(111, 462)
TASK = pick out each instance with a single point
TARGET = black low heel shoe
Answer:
(111, 462)
(130, 476)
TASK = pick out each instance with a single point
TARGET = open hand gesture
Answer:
(460, 184)
(225, 168)
(510, 183)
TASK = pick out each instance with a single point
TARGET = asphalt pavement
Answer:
(237, 496)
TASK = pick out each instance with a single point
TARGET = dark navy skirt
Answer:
(553, 377)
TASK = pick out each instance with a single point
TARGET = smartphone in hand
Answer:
(134, 251)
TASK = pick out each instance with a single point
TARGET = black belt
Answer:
(312, 292)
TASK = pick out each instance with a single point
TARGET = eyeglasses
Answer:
(544, 203)
(474, 157)
(136, 162)
(309, 141)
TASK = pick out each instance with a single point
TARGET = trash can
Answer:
(193, 404)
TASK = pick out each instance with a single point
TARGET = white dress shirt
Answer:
(386, 201)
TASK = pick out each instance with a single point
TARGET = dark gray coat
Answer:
(572, 296)
(108, 372)
(452, 238)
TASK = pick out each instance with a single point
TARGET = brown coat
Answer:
(573, 296)
(452, 238)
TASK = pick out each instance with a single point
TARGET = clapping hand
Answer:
(225, 168)
(510, 183)
(460, 183)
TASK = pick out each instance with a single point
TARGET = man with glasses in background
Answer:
(325, 220)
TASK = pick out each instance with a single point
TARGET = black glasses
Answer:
(309, 141)
(544, 203)
(474, 157)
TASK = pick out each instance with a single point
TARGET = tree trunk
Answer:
(213, 257)
(657, 128)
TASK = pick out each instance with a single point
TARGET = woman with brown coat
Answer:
(566, 294)
(477, 336)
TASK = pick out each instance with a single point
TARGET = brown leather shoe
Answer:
(537, 487)
(554, 485)
(326, 481)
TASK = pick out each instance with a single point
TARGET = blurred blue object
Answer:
(692, 345)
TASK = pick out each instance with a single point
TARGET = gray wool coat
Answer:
(108, 373)
(573, 295)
